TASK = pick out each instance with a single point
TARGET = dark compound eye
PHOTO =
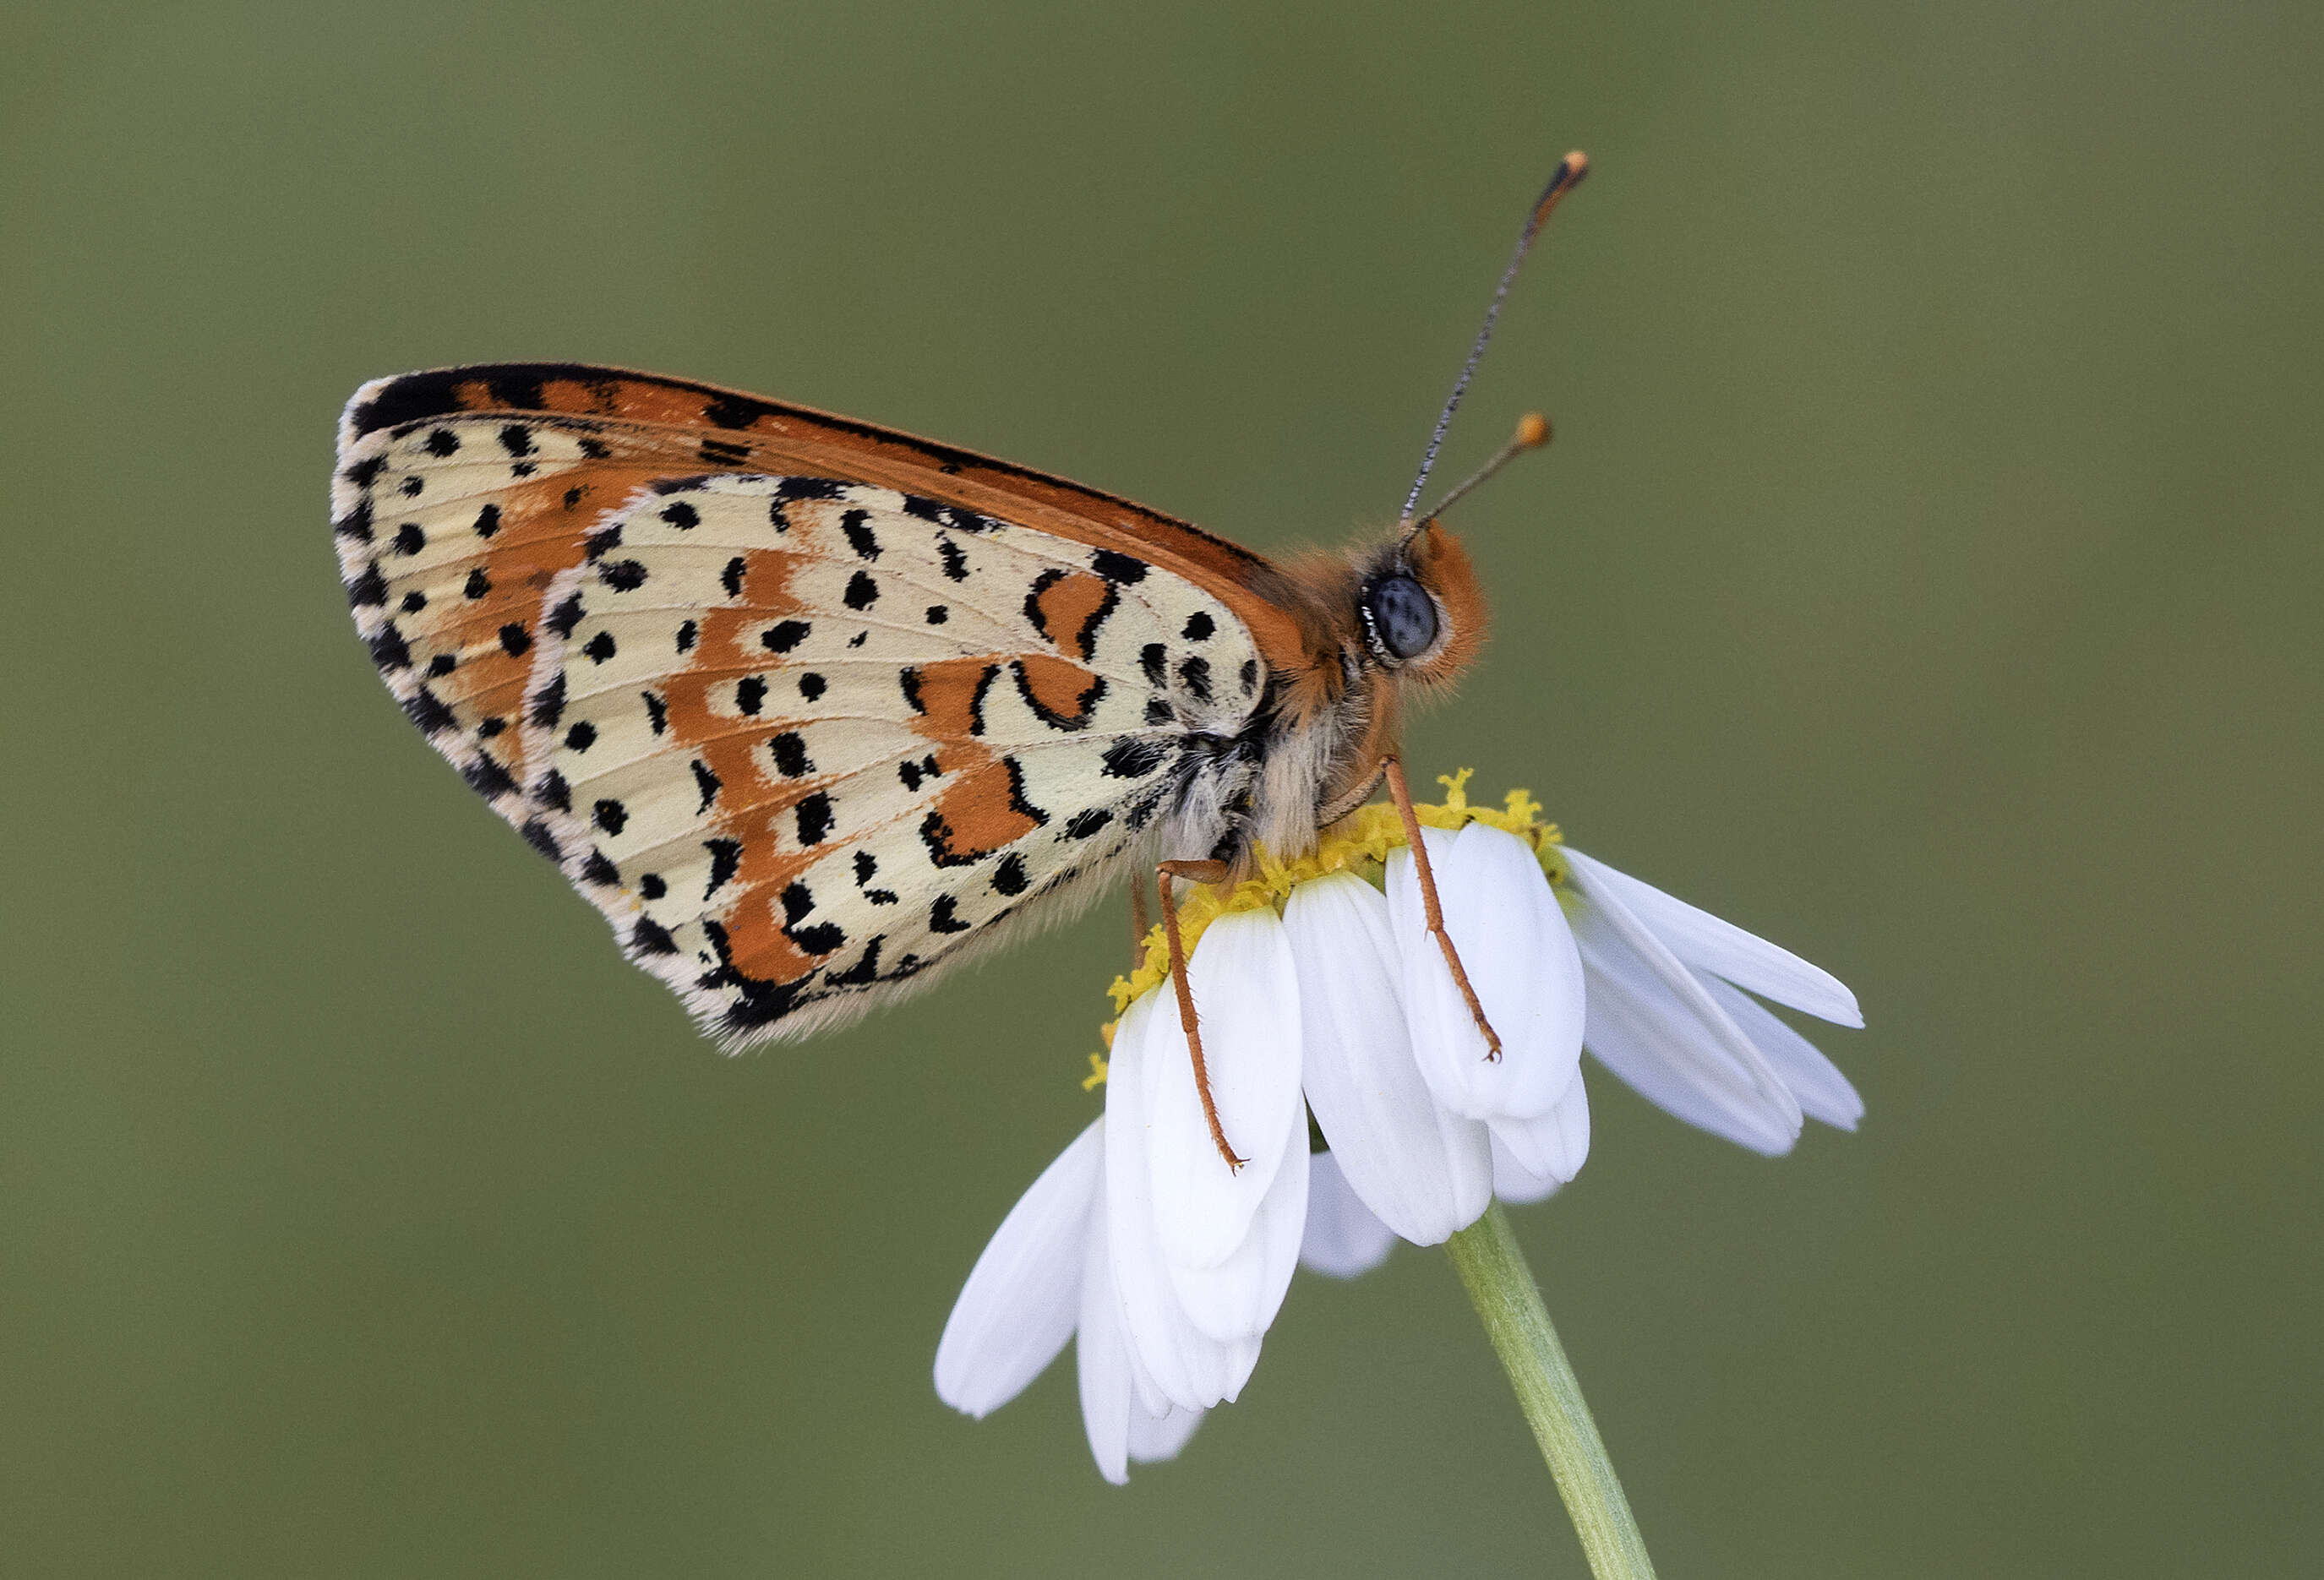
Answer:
(1403, 615)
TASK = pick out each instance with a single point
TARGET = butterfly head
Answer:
(1419, 605)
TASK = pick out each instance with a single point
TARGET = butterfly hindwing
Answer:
(802, 738)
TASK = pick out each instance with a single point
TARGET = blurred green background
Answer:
(1926, 576)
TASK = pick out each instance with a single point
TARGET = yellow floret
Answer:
(1362, 842)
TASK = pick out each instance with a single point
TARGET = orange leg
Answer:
(1193, 872)
(1402, 793)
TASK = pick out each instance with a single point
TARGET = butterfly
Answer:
(814, 711)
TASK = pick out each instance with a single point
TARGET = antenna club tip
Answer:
(1533, 431)
(1576, 165)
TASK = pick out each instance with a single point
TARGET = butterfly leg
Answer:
(1402, 794)
(1192, 872)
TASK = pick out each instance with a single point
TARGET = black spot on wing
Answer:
(733, 411)
(537, 835)
(939, 514)
(487, 777)
(955, 563)
(389, 650)
(1194, 675)
(548, 702)
(857, 526)
(707, 783)
(1134, 756)
(1088, 822)
(1116, 567)
(1199, 626)
(941, 918)
(725, 859)
(367, 590)
(789, 752)
(1009, 877)
(865, 971)
(814, 818)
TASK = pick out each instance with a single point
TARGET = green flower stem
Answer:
(1501, 1286)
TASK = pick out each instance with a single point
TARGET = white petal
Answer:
(1022, 1298)
(1552, 1147)
(1344, 1237)
(1513, 1182)
(1102, 1350)
(1246, 999)
(1519, 956)
(1237, 1299)
(1425, 1171)
(1725, 949)
(1157, 1437)
(1170, 1356)
(1685, 1023)
(1663, 1051)
(1824, 1092)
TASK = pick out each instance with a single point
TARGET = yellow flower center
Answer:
(1359, 842)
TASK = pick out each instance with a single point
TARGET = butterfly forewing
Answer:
(802, 738)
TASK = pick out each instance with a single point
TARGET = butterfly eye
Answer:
(1402, 616)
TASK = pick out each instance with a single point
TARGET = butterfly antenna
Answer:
(1569, 174)
(1533, 433)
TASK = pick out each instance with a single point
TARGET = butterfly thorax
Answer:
(1380, 626)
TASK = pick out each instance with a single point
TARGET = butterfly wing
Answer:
(803, 736)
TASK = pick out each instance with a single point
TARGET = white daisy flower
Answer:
(1169, 1264)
